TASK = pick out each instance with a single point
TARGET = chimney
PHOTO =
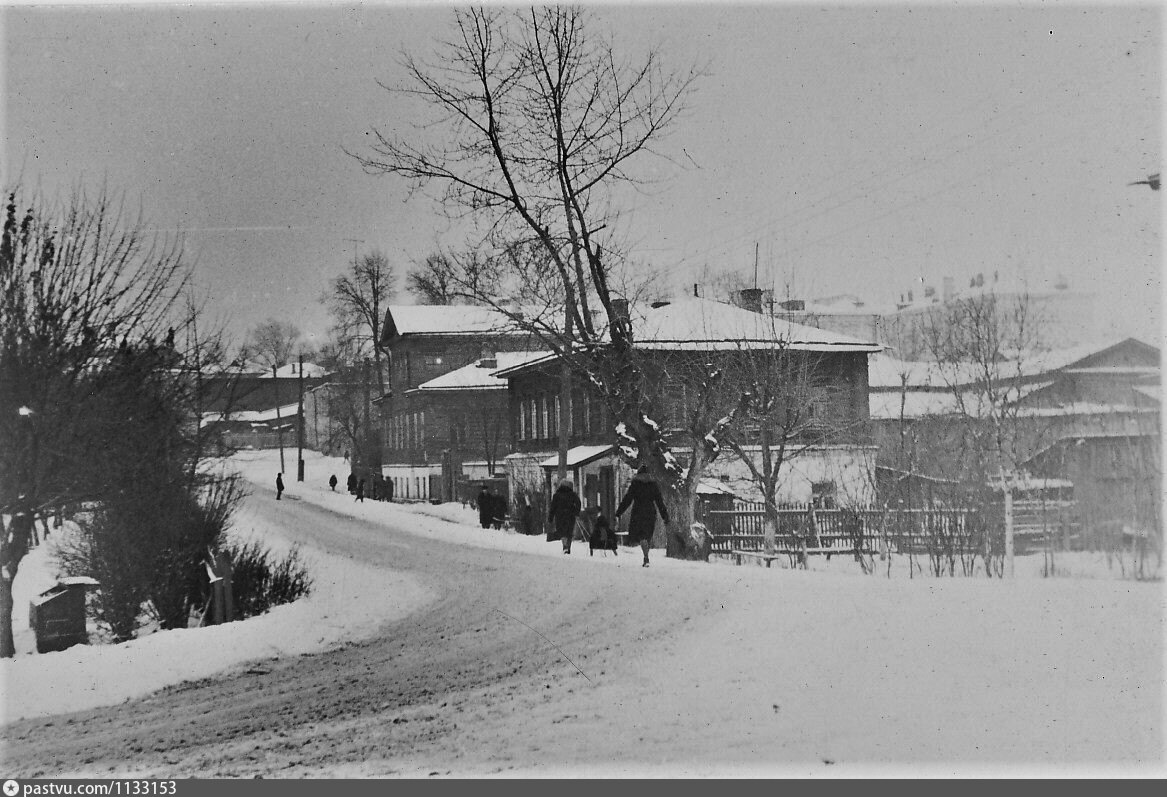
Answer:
(696, 294)
(489, 362)
(751, 299)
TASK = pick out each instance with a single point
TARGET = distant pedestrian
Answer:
(352, 484)
(279, 485)
(346, 455)
(332, 482)
(389, 489)
(485, 507)
(645, 498)
(360, 491)
(564, 509)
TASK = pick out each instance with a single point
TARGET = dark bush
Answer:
(260, 581)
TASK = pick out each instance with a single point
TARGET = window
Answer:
(522, 421)
(543, 418)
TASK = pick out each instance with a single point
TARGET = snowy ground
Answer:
(1022, 629)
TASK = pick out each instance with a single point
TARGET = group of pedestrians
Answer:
(379, 489)
(643, 497)
(492, 508)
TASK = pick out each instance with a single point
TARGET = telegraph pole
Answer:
(279, 426)
(300, 427)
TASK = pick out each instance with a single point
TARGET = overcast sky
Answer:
(859, 147)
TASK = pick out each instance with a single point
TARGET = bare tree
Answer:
(984, 348)
(272, 342)
(357, 300)
(793, 404)
(77, 282)
(542, 120)
(446, 278)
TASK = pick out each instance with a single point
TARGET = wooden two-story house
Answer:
(1087, 416)
(679, 343)
(427, 414)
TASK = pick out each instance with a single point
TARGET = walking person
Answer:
(332, 482)
(389, 489)
(360, 491)
(485, 507)
(564, 509)
(645, 498)
(352, 484)
(279, 485)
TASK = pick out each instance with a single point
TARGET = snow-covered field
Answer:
(1124, 618)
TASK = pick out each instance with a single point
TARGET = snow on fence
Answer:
(843, 530)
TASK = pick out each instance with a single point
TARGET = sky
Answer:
(856, 148)
(1099, 705)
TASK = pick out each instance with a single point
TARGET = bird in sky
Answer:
(1152, 180)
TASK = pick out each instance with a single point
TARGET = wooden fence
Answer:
(844, 530)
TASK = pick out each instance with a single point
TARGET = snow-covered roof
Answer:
(1025, 482)
(886, 371)
(579, 455)
(1084, 408)
(1150, 391)
(703, 324)
(889, 404)
(477, 376)
(713, 487)
(252, 416)
(311, 371)
(426, 319)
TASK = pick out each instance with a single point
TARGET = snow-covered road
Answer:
(489, 653)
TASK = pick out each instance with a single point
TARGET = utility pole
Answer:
(279, 425)
(300, 426)
(366, 432)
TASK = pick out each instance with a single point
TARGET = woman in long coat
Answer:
(564, 509)
(645, 498)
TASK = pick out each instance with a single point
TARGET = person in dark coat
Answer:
(603, 536)
(389, 490)
(485, 507)
(645, 498)
(498, 510)
(332, 482)
(279, 485)
(360, 491)
(352, 484)
(564, 509)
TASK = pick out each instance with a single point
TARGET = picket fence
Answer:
(864, 530)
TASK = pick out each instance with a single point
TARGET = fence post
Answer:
(1008, 528)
